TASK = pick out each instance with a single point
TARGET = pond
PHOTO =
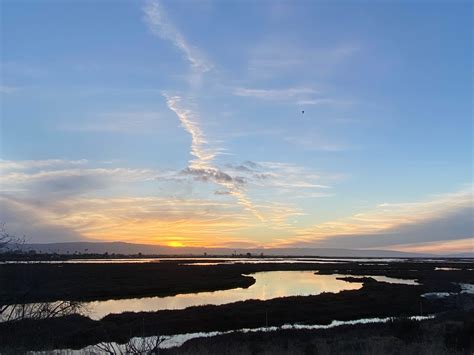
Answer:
(268, 285)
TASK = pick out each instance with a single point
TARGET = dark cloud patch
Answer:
(243, 168)
(262, 176)
(248, 167)
(458, 224)
(240, 180)
(222, 192)
(69, 184)
(251, 164)
(213, 175)
(21, 220)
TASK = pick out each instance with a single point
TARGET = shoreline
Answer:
(98, 282)
(374, 299)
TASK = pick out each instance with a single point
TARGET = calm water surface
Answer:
(207, 261)
(268, 285)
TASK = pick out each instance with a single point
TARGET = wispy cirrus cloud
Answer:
(301, 96)
(324, 102)
(158, 23)
(276, 94)
(72, 181)
(199, 145)
(35, 164)
(316, 143)
(282, 175)
(203, 167)
(280, 57)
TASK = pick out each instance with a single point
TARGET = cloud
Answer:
(456, 224)
(275, 94)
(159, 25)
(246, 167)
(52, 178)
(280, 57)
(38, 229)
(297, 95)
(221, 192)
(289, 176)
(35, 164)
(315, 143)
(323, 102)
(280, 180)
(48, 184)
(439, 247)
(199, 149)
(139, 219)
(203, 166)
(214, 175)
(443, 218)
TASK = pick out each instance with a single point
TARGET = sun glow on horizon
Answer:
(176, 244)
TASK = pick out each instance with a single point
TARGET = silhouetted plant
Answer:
(138, 346)
(16, 309)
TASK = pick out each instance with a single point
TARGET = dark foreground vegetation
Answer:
(450, 333)
(81, 282)
(86, 282)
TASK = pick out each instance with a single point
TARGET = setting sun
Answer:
(175, 244)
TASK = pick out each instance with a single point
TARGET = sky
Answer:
(343, 124)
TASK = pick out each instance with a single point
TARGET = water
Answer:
(186, 261)
(233, 260)
(467, 288)
(208, 261)
(172, 341)
(392, 280)
(268, 285)
(447, 269)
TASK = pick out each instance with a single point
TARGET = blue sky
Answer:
(180, 122)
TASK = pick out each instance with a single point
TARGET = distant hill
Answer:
(147, 249)
(467, 254)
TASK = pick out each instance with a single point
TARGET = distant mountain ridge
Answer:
(147, 249)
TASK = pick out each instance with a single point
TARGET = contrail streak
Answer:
(203, 162)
